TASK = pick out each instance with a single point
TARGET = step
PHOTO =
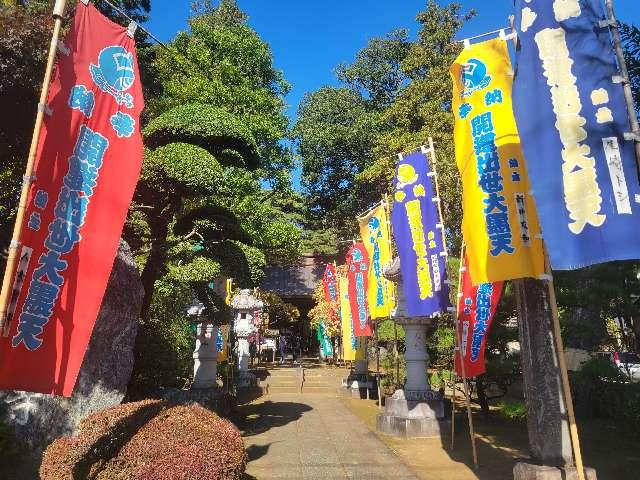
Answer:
(277, 389)
(323, 390)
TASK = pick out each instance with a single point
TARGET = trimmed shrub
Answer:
(600, 389)
(172, 443)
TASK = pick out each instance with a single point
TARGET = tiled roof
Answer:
(296, 280)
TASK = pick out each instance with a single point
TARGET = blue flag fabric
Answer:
(572, 118)
(416, 228)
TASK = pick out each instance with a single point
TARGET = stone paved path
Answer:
(304, 436)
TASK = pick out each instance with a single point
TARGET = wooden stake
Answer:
(431, 151)
(14, 247)
(568, 400)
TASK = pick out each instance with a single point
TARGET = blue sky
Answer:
(309, 38)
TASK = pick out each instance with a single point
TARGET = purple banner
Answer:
(416, 229)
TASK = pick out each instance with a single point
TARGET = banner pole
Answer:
(431, 152)
(612, 23)
(568, 399)
(14, 246)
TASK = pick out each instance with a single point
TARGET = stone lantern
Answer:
(205, 355)
(416, 410)
(246, 307)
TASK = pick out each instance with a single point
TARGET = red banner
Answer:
(87, 166)
(476, 308)
(358, 275)
(331, 292)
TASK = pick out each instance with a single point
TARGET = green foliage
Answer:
(280, 313)
(209, 127)
(392, 365)
(386, 331)
(600, 390)
(515, 411)
(440, 378)
(590, 295)
(164, 344)
(440, 346)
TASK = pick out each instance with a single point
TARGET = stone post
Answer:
(416, 356)
(547, 425)
(415, 411)
(205, 356)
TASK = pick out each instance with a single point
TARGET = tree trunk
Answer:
(157, 257)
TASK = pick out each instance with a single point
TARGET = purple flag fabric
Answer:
(416, 228)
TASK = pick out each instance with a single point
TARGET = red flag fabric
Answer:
(88, 162)
(330, 284)
(357, 276)
(476, 308)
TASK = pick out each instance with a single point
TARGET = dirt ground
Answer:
(611, 450)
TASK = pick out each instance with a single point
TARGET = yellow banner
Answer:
(222, 335)
(500, 224)
(351, 348)
(374, 230)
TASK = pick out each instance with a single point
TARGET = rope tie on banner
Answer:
(46, 109)
(62, 48)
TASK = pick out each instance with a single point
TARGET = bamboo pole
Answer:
(431, 152)
(14, 247)
(624, 73)
(573, 429)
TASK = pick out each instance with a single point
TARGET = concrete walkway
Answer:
(298, 436)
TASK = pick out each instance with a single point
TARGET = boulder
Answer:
(38, 419)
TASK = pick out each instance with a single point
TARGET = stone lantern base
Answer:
(528, 471)
(411, 414)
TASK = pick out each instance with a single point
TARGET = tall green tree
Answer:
(200, 210)
(631, 43)
(422, 108)
(338, 128)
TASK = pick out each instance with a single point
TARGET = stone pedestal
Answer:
(528, 471)
(359, 383)
(245, 377)
(413, 414)
(205, 356)
(547, 425)
(416, 411)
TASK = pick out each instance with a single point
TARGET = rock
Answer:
(37, 419)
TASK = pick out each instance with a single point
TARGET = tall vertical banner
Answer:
(500, 223)
(87, 166)
(476, 309)
(324, 340)
(374, 230)
(222, 342)
(351, 347)
(416, 225)
(330, 286)
(572, 117)
(358, 277)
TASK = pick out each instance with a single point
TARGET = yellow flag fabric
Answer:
(352, 350)
(500, 224)
(374, 230)
(222, 346)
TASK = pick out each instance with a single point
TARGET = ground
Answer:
(328, 436)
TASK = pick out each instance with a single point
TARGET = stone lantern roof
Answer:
(245, 301)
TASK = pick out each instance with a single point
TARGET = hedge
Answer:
(148, 440)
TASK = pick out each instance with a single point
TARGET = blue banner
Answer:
(416, 229)
(572, 118)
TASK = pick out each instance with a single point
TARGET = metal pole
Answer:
(432, 153)
(573, 429)
(626, 84)
(14, 246)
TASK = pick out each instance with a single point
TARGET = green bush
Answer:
(513, 411)
(600, 390)
(390, 381)
(439, 378)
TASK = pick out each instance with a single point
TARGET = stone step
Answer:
(323, 390)
(280, 389)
